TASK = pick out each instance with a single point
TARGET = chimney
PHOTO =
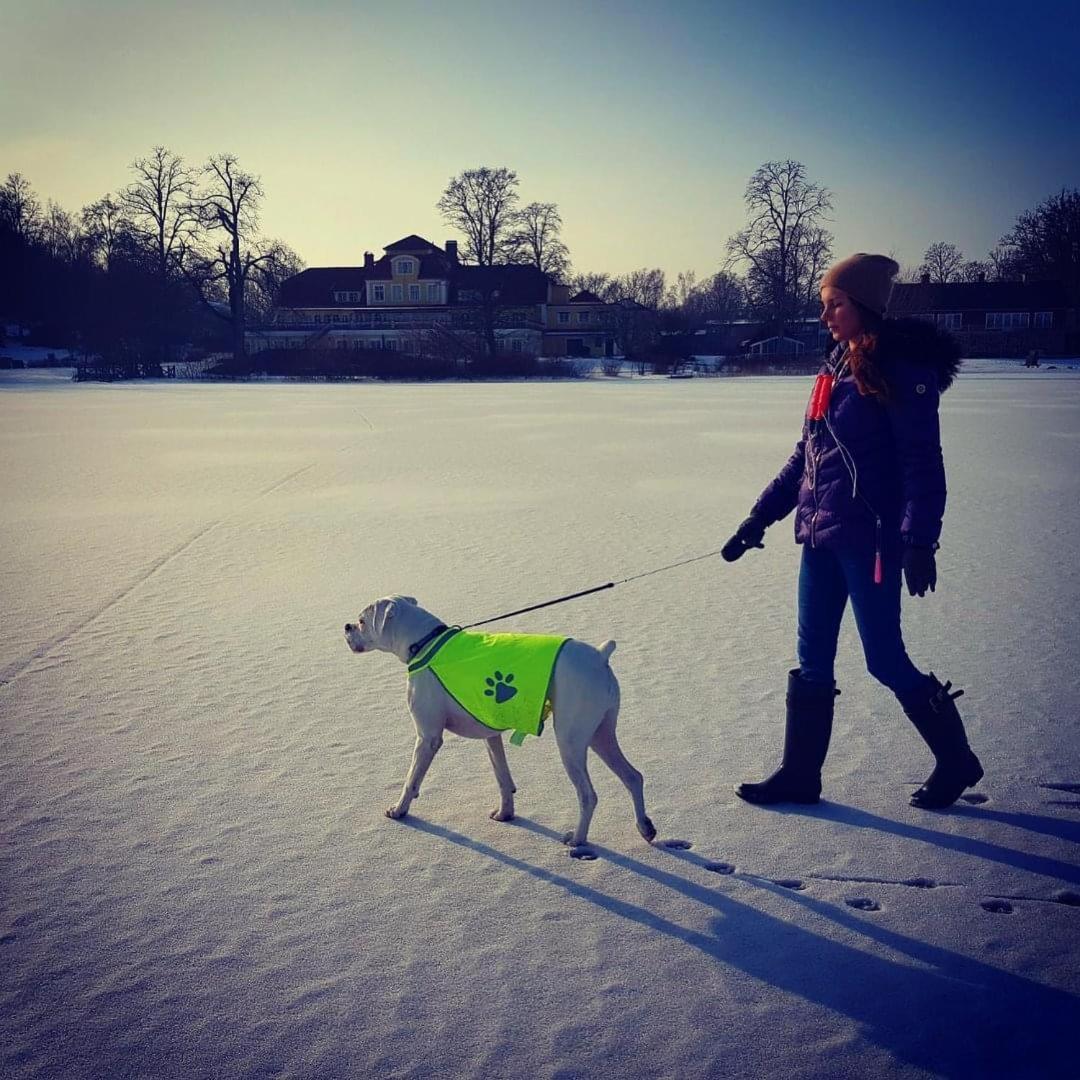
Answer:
(925, 277)
(369, 260)
(451, 250)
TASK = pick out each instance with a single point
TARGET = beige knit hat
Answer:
(866, 278)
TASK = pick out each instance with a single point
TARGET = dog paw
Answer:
(396, 812)
(501, 815)
(647, 829)
(582, 852)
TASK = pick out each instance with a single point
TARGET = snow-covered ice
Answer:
(197, 877)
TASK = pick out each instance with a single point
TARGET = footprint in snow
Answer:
(720, 868)
(997, 907)
(863, 903)
(677, 845)
(585, 854)
(920, 883)
(790, 883)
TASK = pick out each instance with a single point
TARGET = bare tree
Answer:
(160, 208)
(105, 227)
(535, 240)
(942, 262)
(267, 277)
(482, 204)
(722, 298)
(227, 211)
(680, 295)
(784, 245)
(975, 270)
(20, 210)
(598, 283)
(1045, 243)
(644, 287)
(60, 234)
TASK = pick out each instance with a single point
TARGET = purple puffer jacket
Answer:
(888, 467)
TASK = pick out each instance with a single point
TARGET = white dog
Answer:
(583, 693)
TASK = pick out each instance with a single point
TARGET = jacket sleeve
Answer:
(912, 410)
(780, 497)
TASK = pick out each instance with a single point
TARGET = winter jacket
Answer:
(874, 471)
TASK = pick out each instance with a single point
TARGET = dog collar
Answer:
(417, 646)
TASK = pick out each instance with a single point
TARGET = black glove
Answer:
(920, 569)
(748, 535)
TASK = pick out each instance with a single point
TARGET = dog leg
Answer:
(497, 753)
(607, 747)
(423, 753)
(573, 753)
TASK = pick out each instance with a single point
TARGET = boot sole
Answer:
(941, 802)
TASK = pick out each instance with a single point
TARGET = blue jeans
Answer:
(827, 579)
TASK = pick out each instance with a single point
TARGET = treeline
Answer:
(172, 263)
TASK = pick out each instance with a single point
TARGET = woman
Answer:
(867, 483)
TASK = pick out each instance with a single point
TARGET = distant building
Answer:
(418, 293)
(993, 318)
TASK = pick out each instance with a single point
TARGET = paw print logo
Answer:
(499, 687)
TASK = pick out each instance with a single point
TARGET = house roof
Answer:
(585, 297)
(412, 243)
(516, 284)
(315, 287)
(910, 298)
(435, 264)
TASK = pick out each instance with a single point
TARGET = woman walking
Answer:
(867, 483)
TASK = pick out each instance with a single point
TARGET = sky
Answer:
(642, 122)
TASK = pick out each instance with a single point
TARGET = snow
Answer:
(196, 876)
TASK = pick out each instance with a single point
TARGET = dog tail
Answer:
(607, 649)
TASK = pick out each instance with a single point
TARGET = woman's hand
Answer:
(920, 569)
(748, 535)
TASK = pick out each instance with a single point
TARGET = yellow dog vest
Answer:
(501, 680)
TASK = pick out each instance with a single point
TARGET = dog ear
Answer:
(384, 612)
(409, 600)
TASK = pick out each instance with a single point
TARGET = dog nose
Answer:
(348, 628)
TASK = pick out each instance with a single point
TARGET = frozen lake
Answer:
(196, 876)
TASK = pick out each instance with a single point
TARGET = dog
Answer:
(584, 700)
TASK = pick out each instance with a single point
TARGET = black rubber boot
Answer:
(806, 742)
(932, 709)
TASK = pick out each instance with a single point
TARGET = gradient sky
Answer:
(642, 121)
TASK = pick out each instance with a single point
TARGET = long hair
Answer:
(861, 354)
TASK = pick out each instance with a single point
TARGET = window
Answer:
(1007, 320)
(404, 266)
(516, 344)
(391, 344)
(397, 292)
(949, 320)
(1044, 320)
(434, 294)
(378, 293)
(583, 316)
(414, 293)
(564, 317)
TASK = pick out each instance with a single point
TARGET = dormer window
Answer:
(404, 266)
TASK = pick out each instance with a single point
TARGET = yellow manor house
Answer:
(418, 293)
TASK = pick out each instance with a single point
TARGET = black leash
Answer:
(595, 589)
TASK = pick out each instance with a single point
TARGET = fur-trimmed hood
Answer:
(917, 342)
